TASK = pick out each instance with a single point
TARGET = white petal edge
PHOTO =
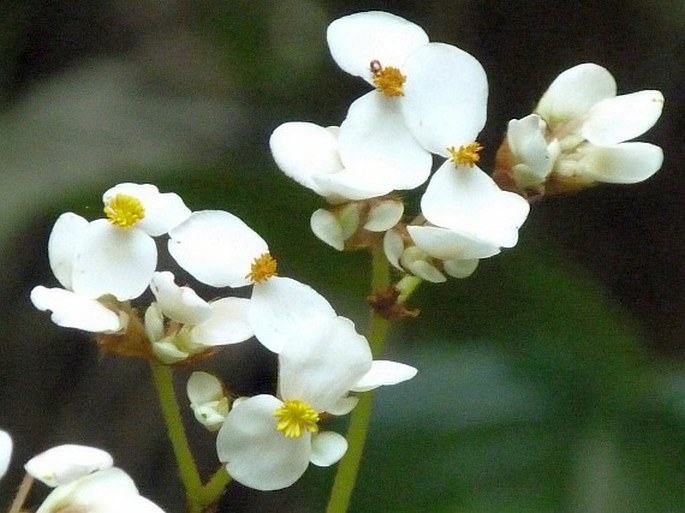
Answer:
(328, 448)
(383, 373)
(445, 97)
(65, 237)
(357, 39)
(326, 227)
(621, 118)
(279, 307)
(460, 268)
(227, 324)
(180, 304)
(203, 387)
(305, 150)
(71, 310)
(66, 463)
(384, 215)
(6, 446)
(630, 162)
(574, 91)
(445, 244)
(216, 248)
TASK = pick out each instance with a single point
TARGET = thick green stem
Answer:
(177, 435)
(348, 469)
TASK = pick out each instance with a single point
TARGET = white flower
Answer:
(427, 96)
(268, 442)
(5, 452)
(478, 217)
(199, 325)
(66, 463)
(112, 257)
(207, 399)
(576, 135)
(105, 491)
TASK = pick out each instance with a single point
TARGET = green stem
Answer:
(215, 486)
(360, 418)
(177, 435)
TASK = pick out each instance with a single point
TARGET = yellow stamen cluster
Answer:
(295, 418)
(263, 268)
(389, 80)
(466, 155)
(124, 211)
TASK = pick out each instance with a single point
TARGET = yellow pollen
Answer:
(124, 211)
(263, 268)
(296, 417)
(466, 155)
(387, 80)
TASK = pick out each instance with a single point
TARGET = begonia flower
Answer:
(576, 136)
(6, 446)
(107, 260)
(266, 441)
(435, 91)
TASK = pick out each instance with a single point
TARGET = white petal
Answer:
(256, 454)
(93, 493)
(384, 372)
(393, 247)
(445, 97)
(304, 150)
(327, 448)
(163, 211)
(467, 201)
(71, 310)
(154, 322)
(278, 308)
(445, 244)
(66, 463)
(532, 159)
(112, 260)
(384, 215)
(360, 38)
(323, 361)
(227, 324)
(65, 237)
(180, 304)
(375, 141)
(168, 352)
(460, 268)
(424, 270)
(203, 387)
(624, 117)
(216, 247)
(574, 91)
(5, 452)
(326, 227)
(344, 405)
(629, 162)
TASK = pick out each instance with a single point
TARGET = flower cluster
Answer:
(576, 136)
(104, 264)
(428, 99)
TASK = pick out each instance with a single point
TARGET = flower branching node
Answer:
(385, 303)
(388, 80)
(467, 155)
(295, 418)
(124, 211)
(264, 267)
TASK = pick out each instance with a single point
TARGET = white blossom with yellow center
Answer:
(578, 130)
(115, 256)
(427, 96)
(266, 441)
